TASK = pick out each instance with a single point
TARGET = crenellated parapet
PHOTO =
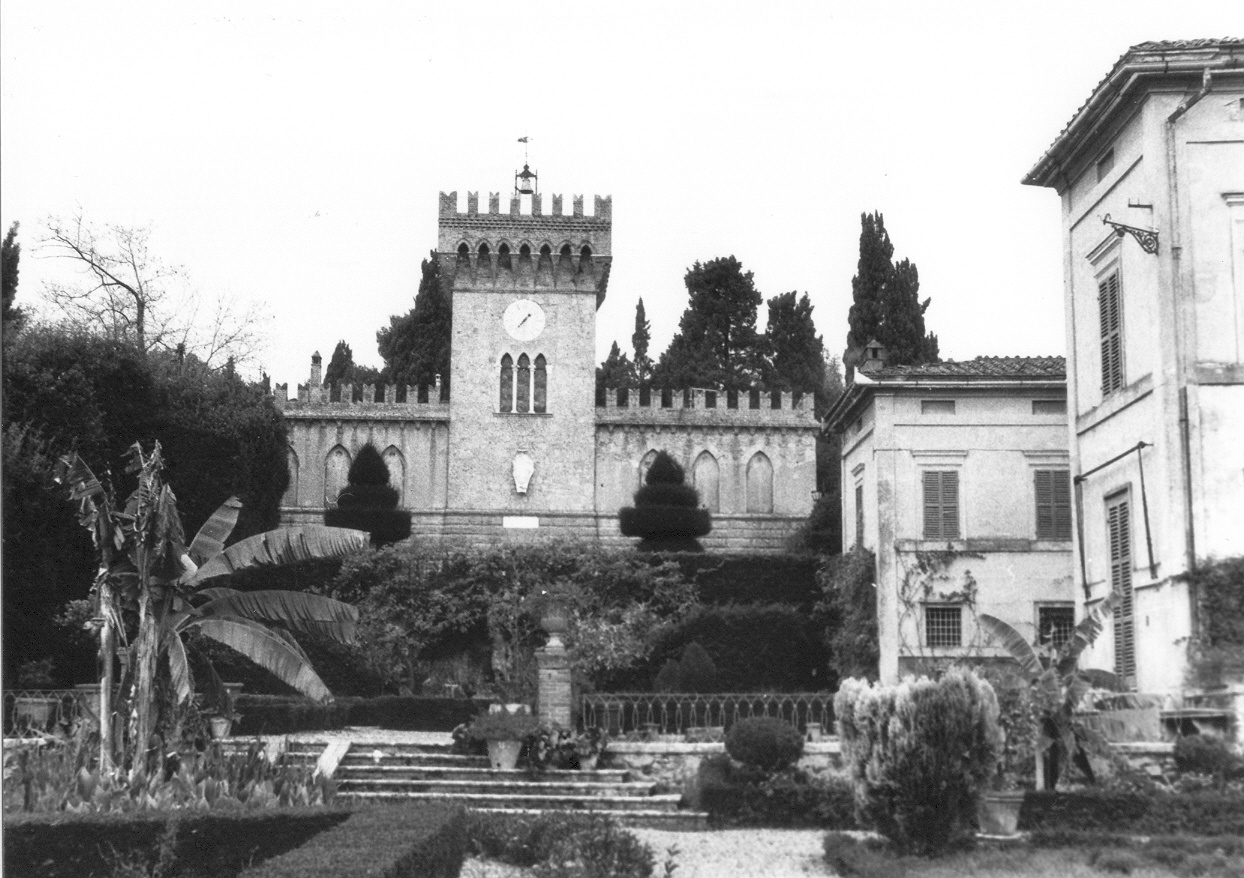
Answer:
(370, 401)
(517, 250)
(701, 407)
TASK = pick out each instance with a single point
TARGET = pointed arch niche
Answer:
(336, 474)
(759, 483)
(645, 464)
(397, 473)
(290, 498)
(706, 476)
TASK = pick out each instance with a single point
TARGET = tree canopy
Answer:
(10, 254)
(716, 344)
(343, 369)
(416, 345)
(885, 302)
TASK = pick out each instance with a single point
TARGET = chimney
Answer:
(874, 357)
(316, 374)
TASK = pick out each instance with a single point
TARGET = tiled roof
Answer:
(980, 367)
(1152, 46)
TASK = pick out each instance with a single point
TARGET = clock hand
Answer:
(524, 320)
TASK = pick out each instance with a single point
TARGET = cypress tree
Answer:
(639, 342)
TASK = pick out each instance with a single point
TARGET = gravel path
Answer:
(740, 853)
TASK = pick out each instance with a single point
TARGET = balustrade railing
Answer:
(675, 713)
(30, 713)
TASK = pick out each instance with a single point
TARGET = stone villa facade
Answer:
(956, 476)
(522, 449)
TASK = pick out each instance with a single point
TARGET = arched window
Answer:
(507, 384)
(464, 254)
(503, 256)
(336, 474)
(540, 393)
(290, 497)
(585, 259)
(706, 477)
(645, 464)
(524, 385)
(397, 472)
(759, 483)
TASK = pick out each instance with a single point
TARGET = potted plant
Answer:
(505, 732)
(589, 745)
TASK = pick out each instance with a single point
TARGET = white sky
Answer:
(292, 153)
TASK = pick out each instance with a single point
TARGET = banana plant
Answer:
(147, 570)
(1060, 686)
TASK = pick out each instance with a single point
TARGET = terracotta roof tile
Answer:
(980, 367)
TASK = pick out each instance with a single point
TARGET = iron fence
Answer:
(675, 713)
(32, 713)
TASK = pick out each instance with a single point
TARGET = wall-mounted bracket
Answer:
(1147, 238)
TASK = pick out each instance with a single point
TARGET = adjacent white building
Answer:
(1150, 171)
(957, 477)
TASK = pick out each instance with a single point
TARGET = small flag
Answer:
(522, 140)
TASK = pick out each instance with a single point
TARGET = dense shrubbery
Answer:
(751, 579)
(919, 754)
(1204, 754)
(1218, 652)
(765, 743)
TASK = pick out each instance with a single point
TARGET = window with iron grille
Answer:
(1053, 490)
(1110, 306)
(1119, 537)
(943, 625)
(859, 514)
(941, 505)
(1055, 624)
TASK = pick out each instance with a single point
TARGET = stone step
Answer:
(667, 802)
(363, 756)
(350, 784)
(424, 772)
(395, 748)
(678, 821)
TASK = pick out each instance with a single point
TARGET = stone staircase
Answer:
(374, 771)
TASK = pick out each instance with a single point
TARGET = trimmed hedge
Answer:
(737, 796)
(281, 715)
(742, 578)
(386, 526)
(207, 843)
(1133, 813)
(384, 840)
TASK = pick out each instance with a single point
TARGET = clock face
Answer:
(524, 319)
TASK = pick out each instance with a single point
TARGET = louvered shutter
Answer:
(1118, 525)
(932, 506)
(1044, 483)
(859, 515)
(1062, 504)
(1110, 312)
(950, 505)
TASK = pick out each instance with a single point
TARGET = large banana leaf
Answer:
(297, 611)
(178, 665)
(266, 650)
(210, 540)
(283, 546)
(1084, 634)
(1014, 643)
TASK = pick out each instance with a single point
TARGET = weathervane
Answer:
(525, 181)
(1147, 238)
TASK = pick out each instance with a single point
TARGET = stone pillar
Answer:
(554, 698)
(553, 702)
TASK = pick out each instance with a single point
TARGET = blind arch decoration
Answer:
(706, 475)
(336, 474)
(290, 497)
(759, 483)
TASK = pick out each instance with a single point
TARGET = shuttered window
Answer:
(859, 514)
(1119, 535)
(1110, 304)
(941, 505)
(1053, 489)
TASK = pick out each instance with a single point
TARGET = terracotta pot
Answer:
(503, 755)
(221, 726)
(588, 763)
(998, 812)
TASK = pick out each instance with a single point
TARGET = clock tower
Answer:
(525, 286)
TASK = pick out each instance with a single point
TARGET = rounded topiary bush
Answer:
(765, 742)
(368, 468)
(369, 502)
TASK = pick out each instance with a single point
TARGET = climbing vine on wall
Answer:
(927, 577)
(1217, 652)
